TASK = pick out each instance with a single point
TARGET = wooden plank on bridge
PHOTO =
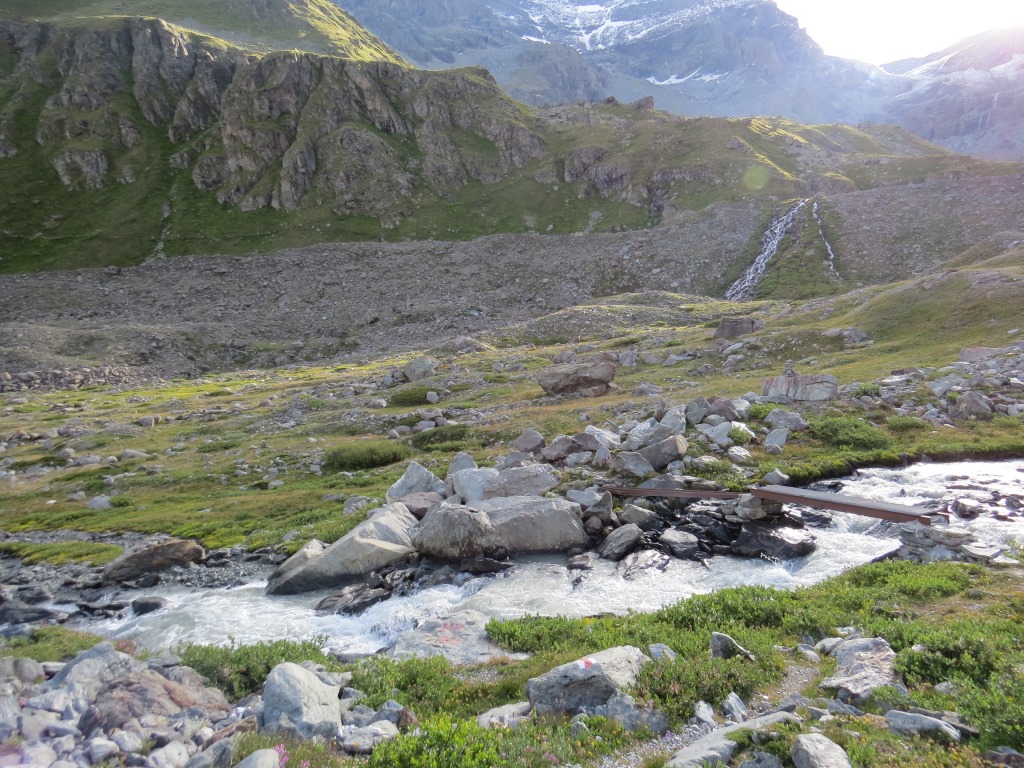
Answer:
(898, 513)
(880, 510)
(669, 493)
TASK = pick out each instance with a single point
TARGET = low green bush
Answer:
(443, 742)
(425, 441)
(740, 436)
(241, 670)
(409, 396)
(760, 411)
(51, 644)
(903, 425)
(364, 454)
(849, 432)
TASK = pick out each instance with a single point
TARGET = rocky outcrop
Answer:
(297, 703)
(264, 131)
(381, 540)
(582, 378)
(862, 665)
(791, 386)
(516, 524)
(590, 682)
(153, 559)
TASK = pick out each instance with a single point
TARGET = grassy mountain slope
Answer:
(259, 25)
(127, 138)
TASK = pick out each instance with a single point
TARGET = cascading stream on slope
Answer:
(816, 212)
(746, 287)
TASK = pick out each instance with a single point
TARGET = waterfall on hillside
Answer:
(828, 245)
(745, 288)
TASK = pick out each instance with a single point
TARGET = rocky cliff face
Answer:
(698, 57)
(258, 131)
(717, 57)
(969, 97)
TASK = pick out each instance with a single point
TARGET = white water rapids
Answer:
(542, 585)
(745, 288)
(815, 210)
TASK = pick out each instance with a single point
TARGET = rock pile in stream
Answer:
(476, 518)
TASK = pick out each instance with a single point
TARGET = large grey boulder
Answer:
(588, 378)
(531, 480)
(813, 750)
(632, 464)
(531, 524)
(530, 441)
(420, 368)
(862, 665)
(646, 433)
(664, 452)
(589, 682)
(681, 544)
(471, 484)
(644, 518)
(454, 531)
(520, 524)
(173, 755)
(915, 724)
(152, 558)
(760, 539)
(800, 387)
(460, 462)
(297, 703)
(971, 405)
(783, 419)
(417, 479)
(149, 693)
(379, 541)
(621, 542)
(84, 676)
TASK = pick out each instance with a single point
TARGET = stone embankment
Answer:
(105, 705)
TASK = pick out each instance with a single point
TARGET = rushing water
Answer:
(828, 246)
(745, 288)
(542, 585)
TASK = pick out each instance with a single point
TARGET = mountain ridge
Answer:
(722, 58)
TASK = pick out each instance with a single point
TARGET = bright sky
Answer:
(879, 31)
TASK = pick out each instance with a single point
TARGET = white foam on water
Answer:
(543, 585)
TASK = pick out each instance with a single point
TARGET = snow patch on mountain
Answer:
(612, 23)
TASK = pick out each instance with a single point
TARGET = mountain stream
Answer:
(544, 586)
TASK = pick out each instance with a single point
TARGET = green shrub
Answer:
(426, 440)
(364, 454)
(760, 411)
(241, 670)
(906, 424)
(740, 436)
(51, 644)
(120, 502)
(866, 390)
(675, 687)
(60, 553)
(443, 742)
(314, 753)
(997, 709)
(849, 432)
(409, 396)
